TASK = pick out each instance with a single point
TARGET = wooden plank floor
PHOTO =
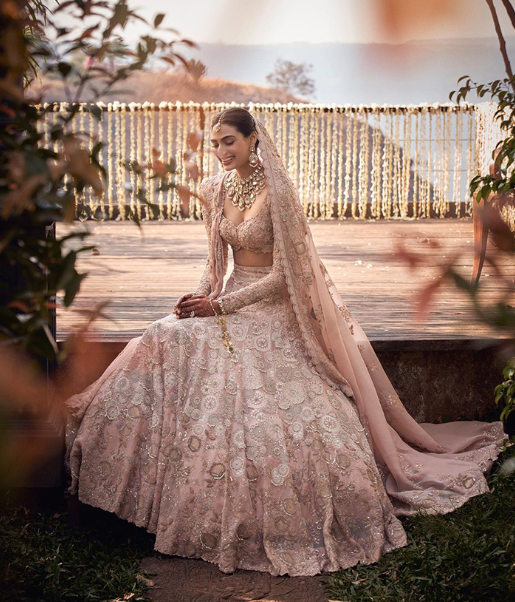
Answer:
(142, 274)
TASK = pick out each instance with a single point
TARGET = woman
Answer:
(256, 428)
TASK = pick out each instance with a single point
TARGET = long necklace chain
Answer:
(243, 191)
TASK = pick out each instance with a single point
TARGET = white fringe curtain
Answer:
(357, 162)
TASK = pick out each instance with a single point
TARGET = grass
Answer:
(45, 558)
(465, 556)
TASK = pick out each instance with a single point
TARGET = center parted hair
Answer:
(239, 118)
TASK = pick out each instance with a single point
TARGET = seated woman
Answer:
(255, 427)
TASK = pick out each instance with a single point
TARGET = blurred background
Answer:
(352, 51)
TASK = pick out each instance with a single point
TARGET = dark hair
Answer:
(239, 118)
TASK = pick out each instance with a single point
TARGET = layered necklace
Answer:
(243, 191)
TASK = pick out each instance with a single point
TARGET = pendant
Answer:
(243, 191)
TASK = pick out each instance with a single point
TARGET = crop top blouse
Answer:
(255, 234)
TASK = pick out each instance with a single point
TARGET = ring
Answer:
(192, 313)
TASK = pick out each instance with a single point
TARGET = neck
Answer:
(245, 170)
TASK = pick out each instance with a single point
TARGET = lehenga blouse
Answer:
(254, 234)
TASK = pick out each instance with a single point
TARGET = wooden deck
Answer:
(142, 274)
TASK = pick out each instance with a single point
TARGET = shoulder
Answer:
(206, 189)
(208, 185)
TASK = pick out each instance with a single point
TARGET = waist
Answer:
(251, 269)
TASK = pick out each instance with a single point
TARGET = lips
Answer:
(227, 161)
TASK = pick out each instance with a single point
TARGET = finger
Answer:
(185, 296)
(186, 311)
(190, 299)
(189, 304)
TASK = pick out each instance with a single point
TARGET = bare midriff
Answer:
(251, 259)
(245, 257)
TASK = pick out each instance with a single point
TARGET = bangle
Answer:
(220, 318)
(212, 306)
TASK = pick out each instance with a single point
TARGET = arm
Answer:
(271, 284)
(204, 286)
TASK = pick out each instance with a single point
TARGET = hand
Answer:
(180, 300)
(198, 303)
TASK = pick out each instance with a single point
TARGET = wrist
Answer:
(221, 303)
(216, 306)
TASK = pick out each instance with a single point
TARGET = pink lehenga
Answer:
(293, 455)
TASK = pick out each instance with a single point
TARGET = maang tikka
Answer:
(219, 122)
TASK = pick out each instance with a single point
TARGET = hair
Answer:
(239, 118)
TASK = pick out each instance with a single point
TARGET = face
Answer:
(231, 147)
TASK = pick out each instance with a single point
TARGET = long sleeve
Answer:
(271, 284)
(204, 286)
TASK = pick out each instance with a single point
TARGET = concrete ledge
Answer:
(443, 380)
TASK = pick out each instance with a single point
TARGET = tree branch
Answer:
(502, 42)
(510, 10)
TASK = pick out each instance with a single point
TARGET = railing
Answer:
(346, 161)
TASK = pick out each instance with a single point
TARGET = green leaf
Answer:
(73, 288)
(498, 396)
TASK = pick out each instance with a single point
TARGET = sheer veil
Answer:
(413, 458)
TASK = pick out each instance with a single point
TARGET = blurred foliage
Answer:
(38, 181)
(497, 312)
(498, 186)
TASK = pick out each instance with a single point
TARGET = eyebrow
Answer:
(228, 136)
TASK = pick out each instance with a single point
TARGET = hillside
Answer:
(166, 86)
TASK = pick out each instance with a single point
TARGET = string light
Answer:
(364, 165)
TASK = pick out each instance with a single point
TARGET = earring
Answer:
(253, 158)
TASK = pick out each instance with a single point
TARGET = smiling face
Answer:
(232, 148)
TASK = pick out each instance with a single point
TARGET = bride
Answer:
(255, 427)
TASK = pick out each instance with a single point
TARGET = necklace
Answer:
(243, 191)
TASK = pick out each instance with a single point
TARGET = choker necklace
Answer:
(243, 191)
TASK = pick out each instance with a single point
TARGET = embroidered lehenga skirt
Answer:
(248, 461)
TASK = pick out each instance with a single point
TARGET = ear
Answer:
(253, 138)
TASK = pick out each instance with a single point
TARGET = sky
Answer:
(317, 21)
(336, 37)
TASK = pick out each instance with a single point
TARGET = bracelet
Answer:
(212, 306)
(220, 318)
